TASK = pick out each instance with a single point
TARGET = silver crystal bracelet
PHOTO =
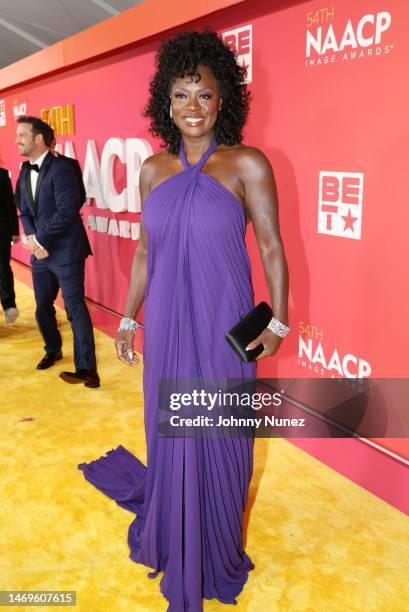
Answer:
(278, 328)
(128, 324)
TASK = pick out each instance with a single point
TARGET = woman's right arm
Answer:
(124, 339)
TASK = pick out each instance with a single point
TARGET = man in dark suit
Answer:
(50, 201)
(8, 234)
(78, 172)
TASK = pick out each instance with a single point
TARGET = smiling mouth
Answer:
(194, 120)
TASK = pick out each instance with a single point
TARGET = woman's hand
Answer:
(124, 347)
(269, 340)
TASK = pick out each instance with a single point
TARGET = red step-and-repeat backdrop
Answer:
(330, 110)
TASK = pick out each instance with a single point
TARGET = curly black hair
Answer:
(179, 56)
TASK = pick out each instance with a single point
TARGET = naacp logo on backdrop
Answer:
(321, 358)
(106, 196)
(332, 38)
(19, 109)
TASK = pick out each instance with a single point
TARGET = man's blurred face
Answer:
(28, 144)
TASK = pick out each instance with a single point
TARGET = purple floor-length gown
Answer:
(189, 500)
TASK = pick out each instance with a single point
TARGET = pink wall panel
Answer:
(332, 118)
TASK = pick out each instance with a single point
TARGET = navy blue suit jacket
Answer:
(52, 214)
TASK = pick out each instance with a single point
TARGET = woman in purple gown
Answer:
(192, 271)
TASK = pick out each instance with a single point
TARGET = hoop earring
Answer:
(170, 112)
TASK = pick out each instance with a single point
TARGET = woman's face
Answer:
(195, 102)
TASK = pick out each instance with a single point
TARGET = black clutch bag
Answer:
(250, 326)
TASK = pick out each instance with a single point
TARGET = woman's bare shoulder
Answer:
(155, 160)
(153, 164)
(249, 159)
(252, 155)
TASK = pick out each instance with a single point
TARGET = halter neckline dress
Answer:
(190, 498)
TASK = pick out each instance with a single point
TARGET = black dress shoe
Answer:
(49, 360)
(90, 378)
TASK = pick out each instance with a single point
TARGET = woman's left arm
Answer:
(262, 206)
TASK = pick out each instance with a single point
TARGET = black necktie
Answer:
(35, 167)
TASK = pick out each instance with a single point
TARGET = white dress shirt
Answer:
(34, 174)
(34, 179)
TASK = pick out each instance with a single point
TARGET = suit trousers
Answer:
(7, 295)
(47, 279)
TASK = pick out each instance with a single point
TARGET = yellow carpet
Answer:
(319, 542)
